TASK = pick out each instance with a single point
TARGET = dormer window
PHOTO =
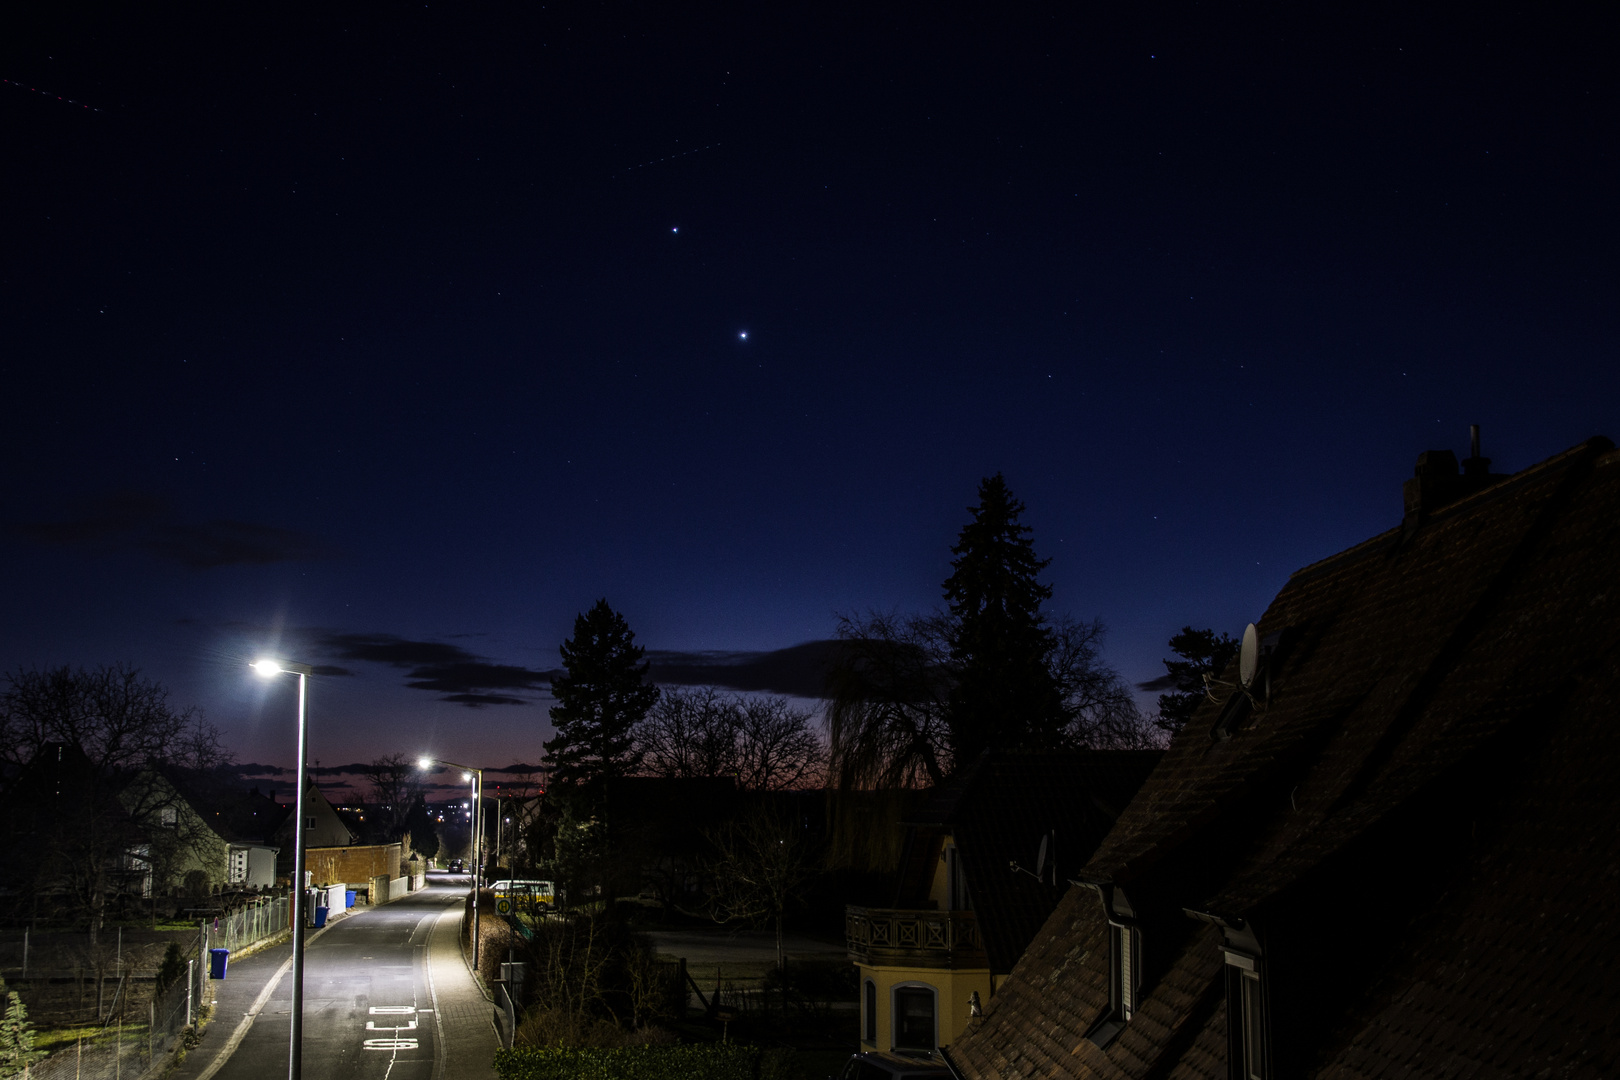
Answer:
(1124, 961)
(1248, 1035)
(1125, 968)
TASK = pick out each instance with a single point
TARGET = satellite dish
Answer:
(1249, 658)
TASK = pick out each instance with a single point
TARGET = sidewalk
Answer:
(466, 1016)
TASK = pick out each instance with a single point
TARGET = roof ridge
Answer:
(1600, 444)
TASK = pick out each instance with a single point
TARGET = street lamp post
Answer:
(269, 668)
(477, 778)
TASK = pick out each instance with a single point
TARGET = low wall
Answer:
(384, 888)
(334, 865)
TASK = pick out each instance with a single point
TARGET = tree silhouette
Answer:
(1204, 655)
(1003, 693)
(601, 696)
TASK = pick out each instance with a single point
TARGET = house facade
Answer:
(1386, 846)
(323, 828)
(980, 872)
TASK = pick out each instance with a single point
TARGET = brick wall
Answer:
(332, 865)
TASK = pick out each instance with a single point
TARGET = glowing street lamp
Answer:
(270, 669)
(477, 777)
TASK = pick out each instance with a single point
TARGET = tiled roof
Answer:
(1423, 810)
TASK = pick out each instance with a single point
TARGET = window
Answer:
(1124, 982)
(1248, 1036)
(956, 884)
(1127, 968)
(869, 1012)
(914, 1018)
(170, 817)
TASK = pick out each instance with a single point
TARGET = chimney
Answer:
(1434, 482)
(1476, 467)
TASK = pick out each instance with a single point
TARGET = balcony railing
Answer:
(930, 939)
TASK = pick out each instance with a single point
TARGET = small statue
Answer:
(974, 1008)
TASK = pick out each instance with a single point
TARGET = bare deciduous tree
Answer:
(765, 743)
(761, 860)
(777, 748)
(395, 784)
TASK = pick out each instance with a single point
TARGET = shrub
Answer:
(16, 1039)
(169, 972)
(707, 1061)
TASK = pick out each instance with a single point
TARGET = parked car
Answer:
(457, 866)
(522, 893)
(876, 1065)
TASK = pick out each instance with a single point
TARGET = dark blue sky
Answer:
(396, 339)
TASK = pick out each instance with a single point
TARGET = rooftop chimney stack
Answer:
(1437, 482)
(1476, 467)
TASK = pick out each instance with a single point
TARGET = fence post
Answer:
(191, 985)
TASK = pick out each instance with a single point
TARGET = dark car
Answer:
(457, 866)
(874, 1065)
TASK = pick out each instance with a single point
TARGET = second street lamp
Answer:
(477, 778)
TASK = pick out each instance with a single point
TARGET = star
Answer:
(742, 335)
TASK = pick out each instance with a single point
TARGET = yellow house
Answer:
(983, 867)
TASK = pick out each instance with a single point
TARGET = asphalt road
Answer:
(369, 1001)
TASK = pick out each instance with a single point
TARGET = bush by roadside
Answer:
(708, 1061)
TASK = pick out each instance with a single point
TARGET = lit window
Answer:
(869, 1013)
(169, 816)
(914, 1018)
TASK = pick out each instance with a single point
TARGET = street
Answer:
(386, 995)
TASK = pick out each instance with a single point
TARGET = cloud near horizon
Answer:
(139, 521)
(456, 675)
(464, 678)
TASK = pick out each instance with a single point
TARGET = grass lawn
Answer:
(56, 1038)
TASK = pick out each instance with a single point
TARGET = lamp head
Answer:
(424, 763)
(267, 667)
(466, 776)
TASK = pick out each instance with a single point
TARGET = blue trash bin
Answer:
(217, 959)
(320, 917)
(348, 898)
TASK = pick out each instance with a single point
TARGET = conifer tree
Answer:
(1004, 694)
(601, 696)
(1204, 654)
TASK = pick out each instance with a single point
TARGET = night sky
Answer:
(392, 340)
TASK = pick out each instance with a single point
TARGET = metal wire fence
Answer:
(130, 1047)
(244, 927)
(138, 1033)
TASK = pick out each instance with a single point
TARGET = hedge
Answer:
(703, 1061)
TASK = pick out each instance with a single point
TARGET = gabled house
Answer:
(322, 828)
(1388, 846)
(983, 861)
